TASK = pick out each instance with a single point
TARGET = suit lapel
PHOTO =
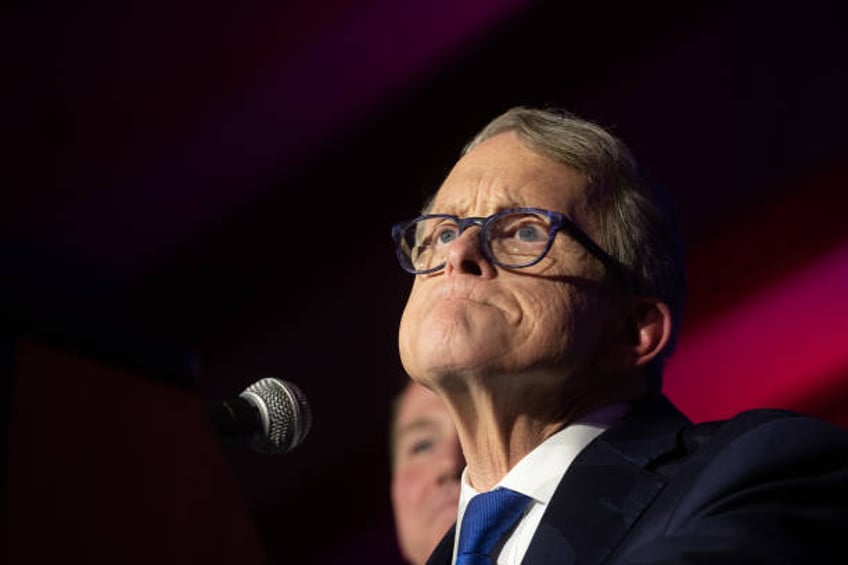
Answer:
(606, 488)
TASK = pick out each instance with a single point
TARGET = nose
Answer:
(466, 256)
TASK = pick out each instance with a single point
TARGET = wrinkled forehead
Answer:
(415, 404)
(503, 172)
(418, 410)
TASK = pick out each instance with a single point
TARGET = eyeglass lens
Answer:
(512, 240)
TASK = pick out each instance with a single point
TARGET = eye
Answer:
(421, 446)
(531, 233)
(446, 233)
(520, 229)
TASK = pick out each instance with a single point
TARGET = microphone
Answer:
(270, 416)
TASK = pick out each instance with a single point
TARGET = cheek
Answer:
(406, 345)
(409, 495)
(408, 486)
(408, 321)
(557, 324)
(548, 311)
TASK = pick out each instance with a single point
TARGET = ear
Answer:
(643, 335)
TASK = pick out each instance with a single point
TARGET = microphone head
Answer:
(286, 416)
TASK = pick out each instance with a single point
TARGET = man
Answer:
(548, 290)
(426, 464)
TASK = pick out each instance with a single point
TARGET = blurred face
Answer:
(473, 318)
(426, 469)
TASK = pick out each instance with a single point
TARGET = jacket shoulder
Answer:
(768, 430)
(764, 486)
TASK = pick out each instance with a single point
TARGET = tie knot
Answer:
(487, 518)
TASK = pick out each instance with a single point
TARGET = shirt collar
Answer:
(539, 472)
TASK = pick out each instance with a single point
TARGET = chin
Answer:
(430, 362)
(439, 348)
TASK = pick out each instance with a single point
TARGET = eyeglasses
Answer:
(513, 239)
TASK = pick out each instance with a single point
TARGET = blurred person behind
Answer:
(426, 465)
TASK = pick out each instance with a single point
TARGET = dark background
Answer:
(201, 193)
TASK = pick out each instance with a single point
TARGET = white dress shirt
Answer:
(537, 475)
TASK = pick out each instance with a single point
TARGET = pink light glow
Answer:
(779, 347)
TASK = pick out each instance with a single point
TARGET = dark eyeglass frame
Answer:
(559, 222)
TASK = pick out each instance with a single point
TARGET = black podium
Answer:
(104, 463)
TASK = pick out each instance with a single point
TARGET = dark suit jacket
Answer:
(767, 486)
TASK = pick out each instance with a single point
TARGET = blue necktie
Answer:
(487, 518)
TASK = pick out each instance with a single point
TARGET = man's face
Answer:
(474, 318)
(426, 469)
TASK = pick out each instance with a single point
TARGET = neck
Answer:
(500, 419)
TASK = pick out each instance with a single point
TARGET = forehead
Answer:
(417, 404)
(502, 172)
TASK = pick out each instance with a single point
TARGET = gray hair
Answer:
(637, 220)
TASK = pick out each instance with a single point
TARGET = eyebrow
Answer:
(415, 425)
(454, 208)
(421, 423)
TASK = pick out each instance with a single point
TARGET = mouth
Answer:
(453, 290)
(475, 294)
